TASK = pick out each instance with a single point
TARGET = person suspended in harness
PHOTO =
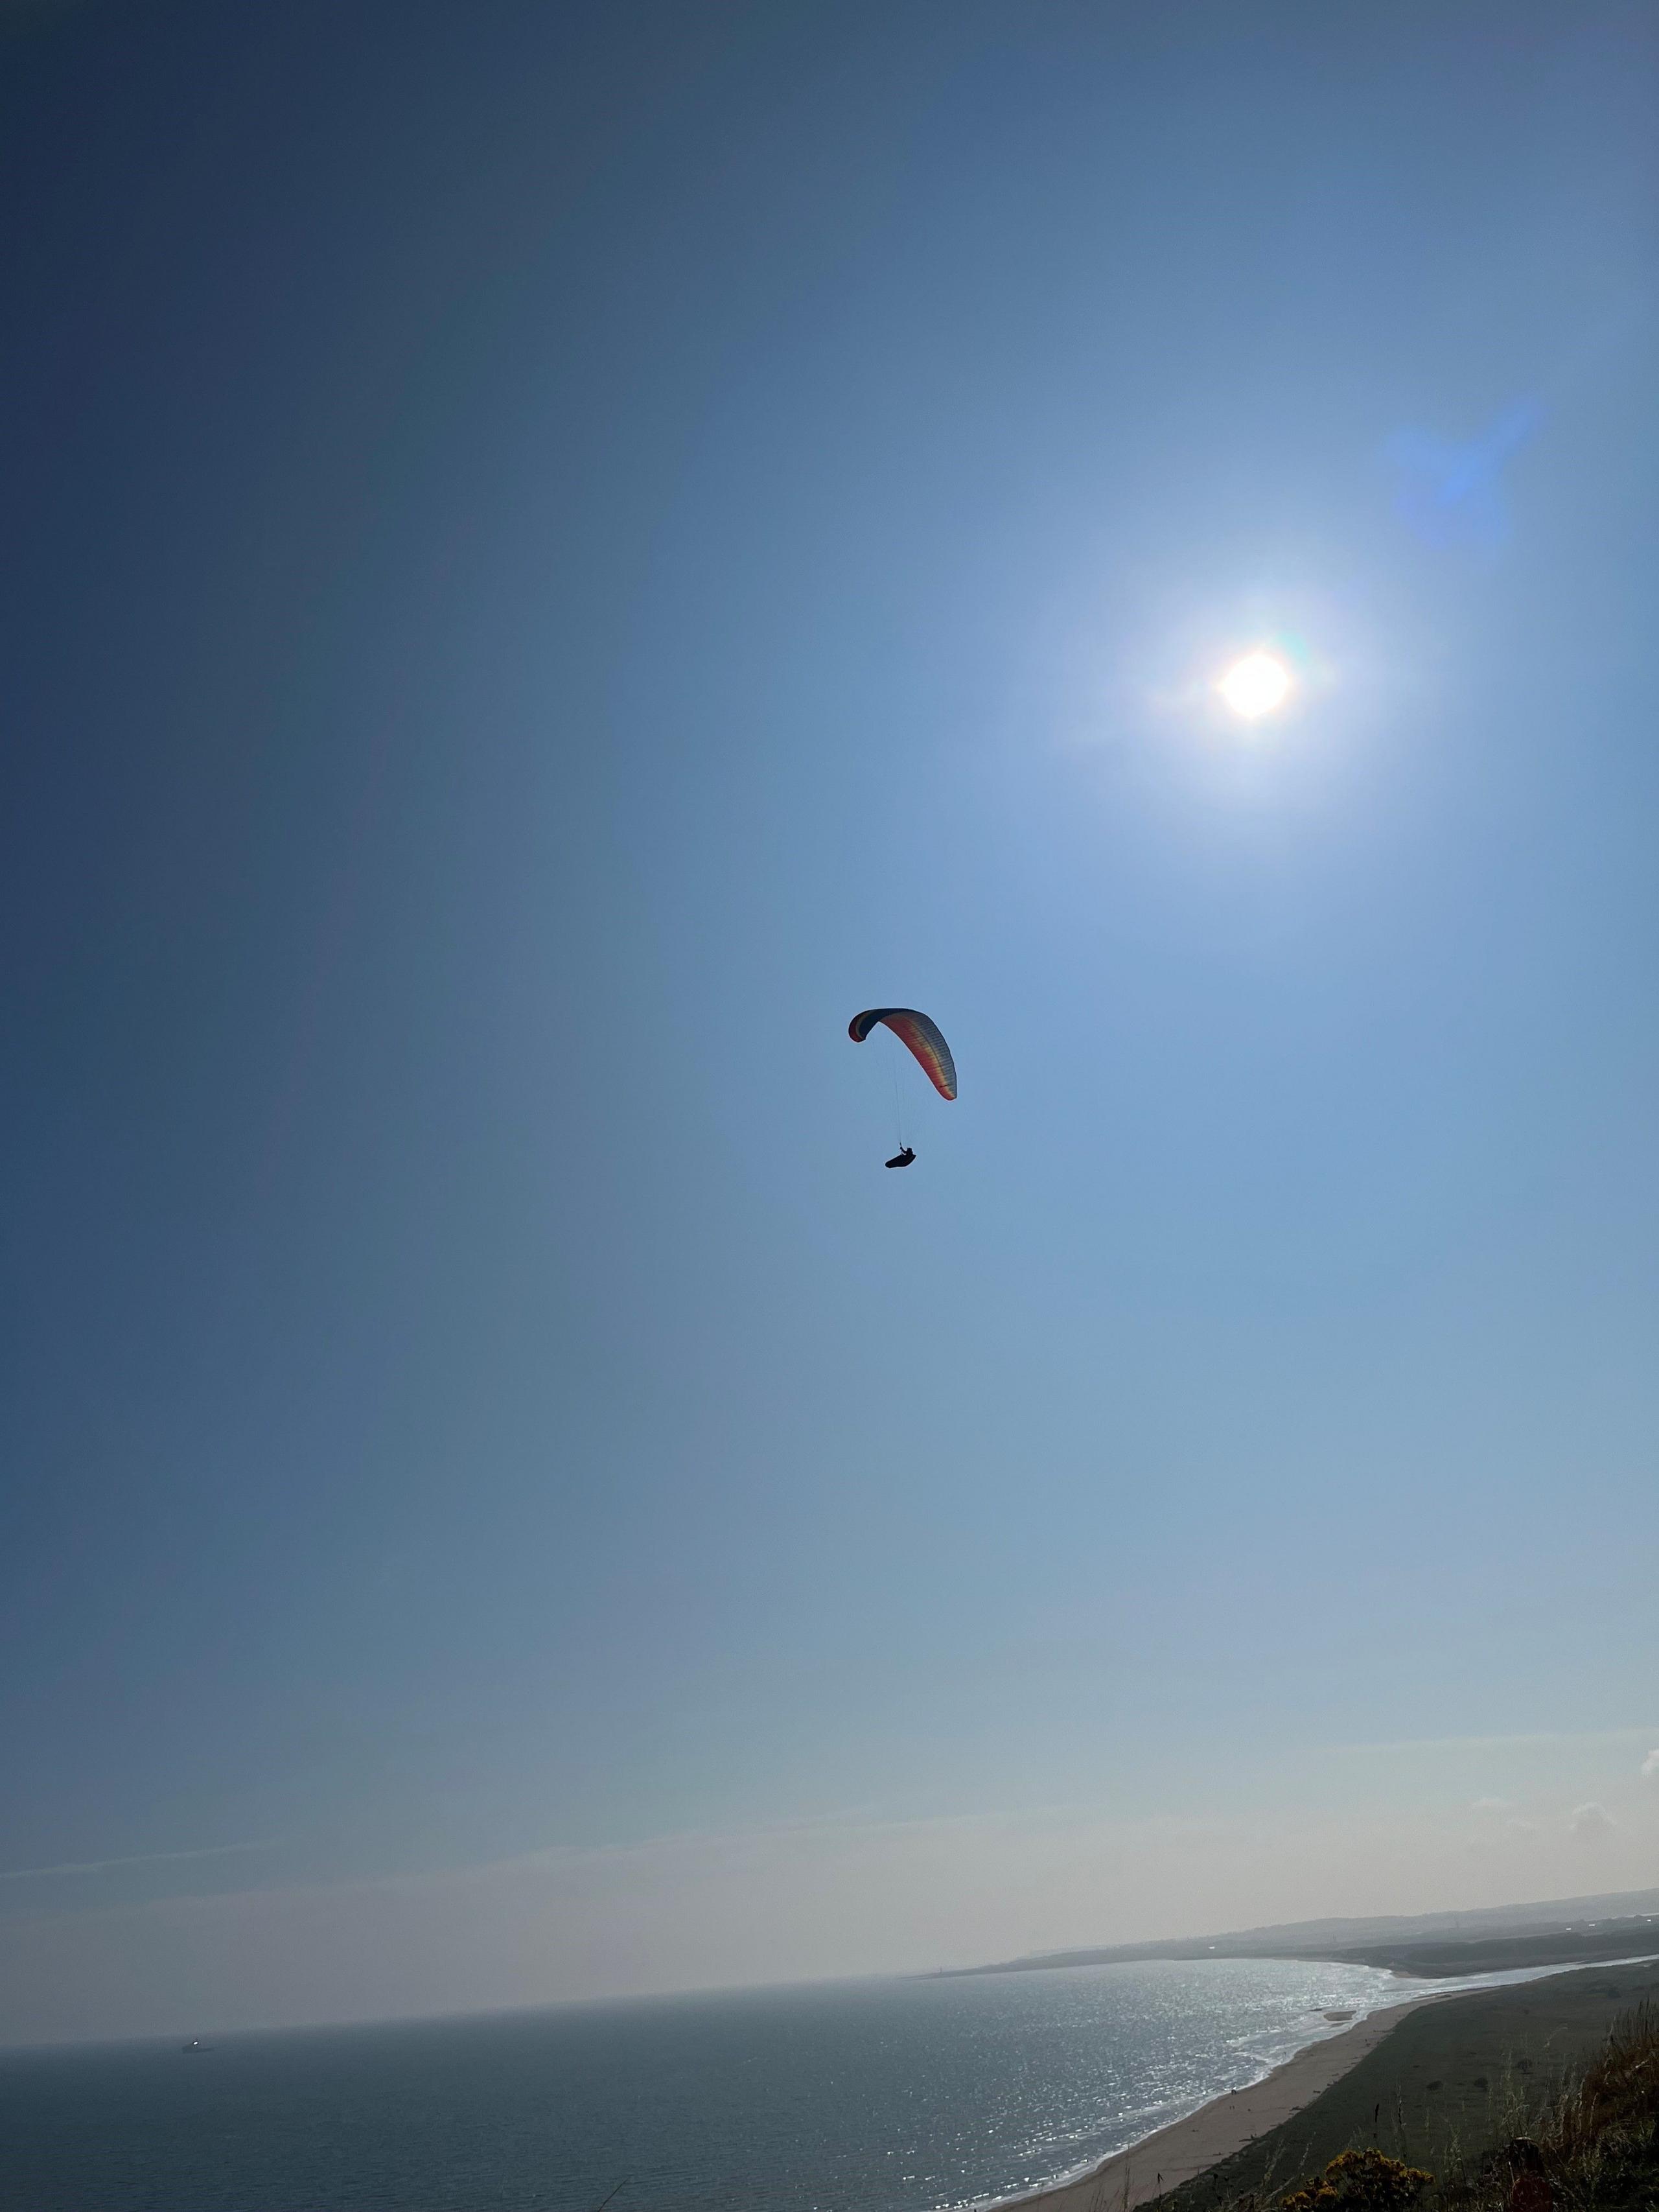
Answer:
(903, 1159)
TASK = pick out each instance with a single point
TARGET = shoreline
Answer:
(1183, 2150)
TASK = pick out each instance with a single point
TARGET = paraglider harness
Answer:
(903, 1159)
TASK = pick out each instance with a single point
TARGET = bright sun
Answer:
(1256, 684)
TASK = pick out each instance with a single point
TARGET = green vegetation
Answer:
(1544, 2098)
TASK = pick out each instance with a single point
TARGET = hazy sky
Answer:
(554, 553)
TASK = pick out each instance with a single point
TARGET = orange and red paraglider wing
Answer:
(920, 1033)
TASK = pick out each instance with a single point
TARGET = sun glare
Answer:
(1256, 684)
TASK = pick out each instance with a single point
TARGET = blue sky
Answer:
(552, 556)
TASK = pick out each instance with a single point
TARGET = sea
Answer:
(888, 2096)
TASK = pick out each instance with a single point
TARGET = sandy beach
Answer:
(1189, 2146)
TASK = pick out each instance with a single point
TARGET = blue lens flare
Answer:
(1452, 493)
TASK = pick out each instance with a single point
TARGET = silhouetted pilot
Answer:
(903, 1159)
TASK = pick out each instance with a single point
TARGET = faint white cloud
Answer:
(1490, 1805)
(1650, 1766)
(1535, 1739)
(816, 1899)
(142, 1858)
(1592, 1819)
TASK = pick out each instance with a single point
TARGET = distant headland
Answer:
(1566, 1931)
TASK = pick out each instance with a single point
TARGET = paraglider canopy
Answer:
(921, 1034)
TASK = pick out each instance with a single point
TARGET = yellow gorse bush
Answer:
(1360, 2181)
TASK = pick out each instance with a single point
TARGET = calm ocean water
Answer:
(862, 2097)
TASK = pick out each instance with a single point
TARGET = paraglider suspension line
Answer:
(898, 1101)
